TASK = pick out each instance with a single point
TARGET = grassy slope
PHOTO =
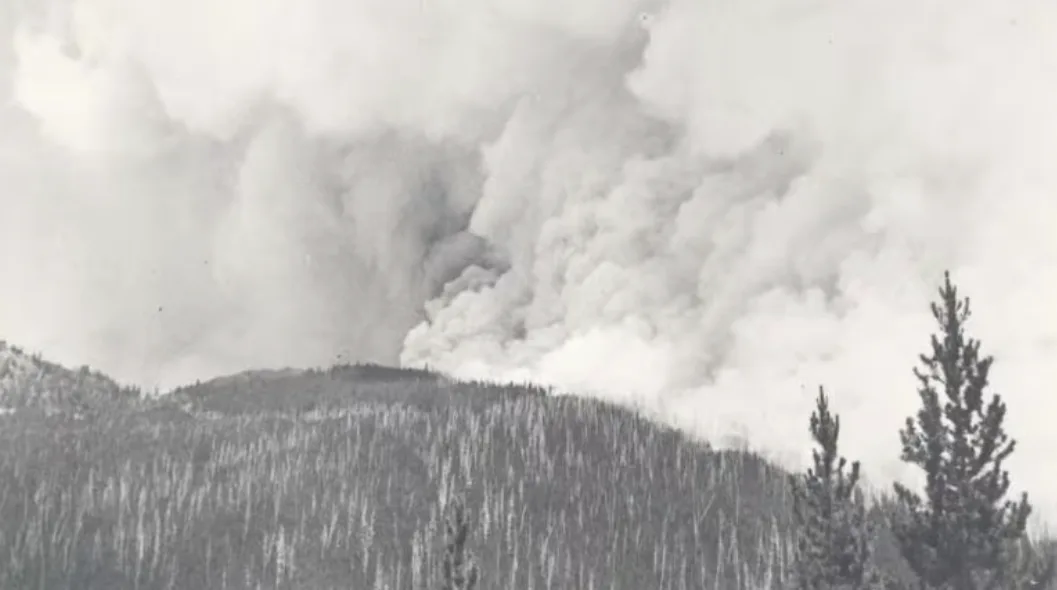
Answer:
(332, 479)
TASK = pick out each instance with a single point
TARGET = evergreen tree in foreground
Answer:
(457, 569)
(833, 544)
(963, 535)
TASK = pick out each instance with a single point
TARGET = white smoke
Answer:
(705, 207)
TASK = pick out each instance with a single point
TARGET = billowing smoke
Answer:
(706, 208)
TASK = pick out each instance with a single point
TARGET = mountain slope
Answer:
(30, 382)
(337, 478)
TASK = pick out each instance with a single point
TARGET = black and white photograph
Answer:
(528, 295)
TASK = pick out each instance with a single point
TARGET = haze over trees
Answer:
(373, 477)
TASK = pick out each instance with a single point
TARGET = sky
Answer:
(703, 208)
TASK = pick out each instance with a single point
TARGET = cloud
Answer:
(707, 208)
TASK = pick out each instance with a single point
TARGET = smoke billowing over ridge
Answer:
(707, 207)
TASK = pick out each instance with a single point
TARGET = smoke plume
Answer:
(704, 208)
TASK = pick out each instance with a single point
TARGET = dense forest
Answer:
(369, 477)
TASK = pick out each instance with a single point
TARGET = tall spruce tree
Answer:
(964, 534)
(458, 571)
(833, 536)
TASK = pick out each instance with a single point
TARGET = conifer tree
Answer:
(834, 539)
(457, 568)
(964, 534)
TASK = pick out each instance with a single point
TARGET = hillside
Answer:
(329, 479)
(28, 381)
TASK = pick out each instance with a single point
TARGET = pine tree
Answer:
(963, 535)
(457, 568)
(834, 539)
